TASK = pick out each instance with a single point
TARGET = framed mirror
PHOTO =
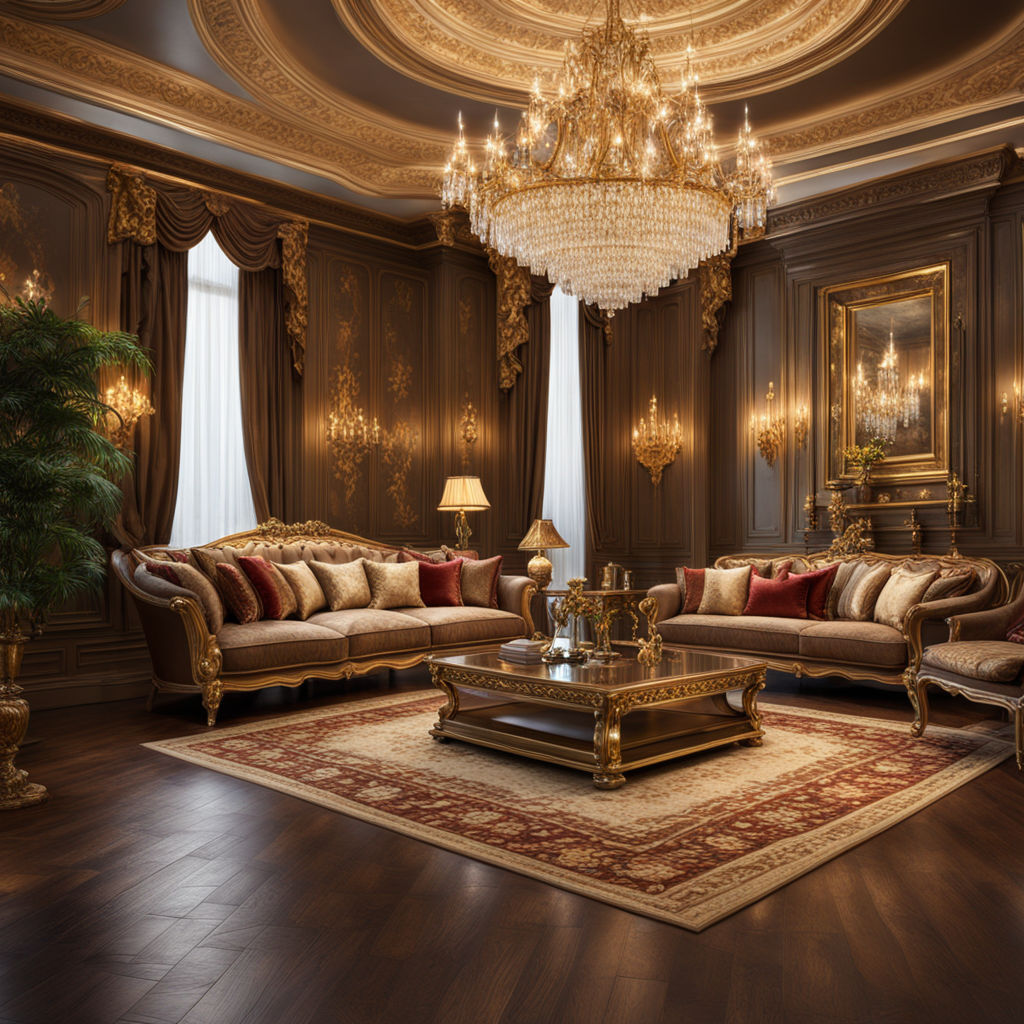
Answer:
(888, 373)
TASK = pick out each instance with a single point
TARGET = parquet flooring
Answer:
(150, 891)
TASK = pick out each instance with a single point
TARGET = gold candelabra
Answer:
(801, 426)
(655, 443)
(955, 491)
(770, 430)
(126, 406)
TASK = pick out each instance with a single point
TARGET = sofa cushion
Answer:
(902, 590)
(240, 598)
(820, 583)
(344, 584)
(691, 587)
(734, 632)
(995, 661)
(839, 584)
(309, 595)
(468, 625)
(785, 597)
(725, 591)
(951, 581)
(858, 643)
(393, 586)
(480, 581)
(276, 597)
(275, 643)
(375, 631)
(441, 584)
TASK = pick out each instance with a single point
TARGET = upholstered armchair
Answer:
(978, 663)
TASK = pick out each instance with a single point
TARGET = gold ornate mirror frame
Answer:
(887, 350)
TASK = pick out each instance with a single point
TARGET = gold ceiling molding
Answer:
(63, 10)
(491, 50)
(86, 68)
(236, 34)
(990, 76)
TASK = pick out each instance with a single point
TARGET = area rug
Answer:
(688, 842)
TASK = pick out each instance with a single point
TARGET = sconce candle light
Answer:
(655, 443)
(770, 430)
(1018, 404)
(801, 426)
(127, 406)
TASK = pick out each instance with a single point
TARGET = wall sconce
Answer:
(127, 406)
(1018, 404)
(801, 425)
(770, 430)
(655, 443)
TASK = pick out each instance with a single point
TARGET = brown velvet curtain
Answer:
(594, 384)
(524, 418)
(154, 302)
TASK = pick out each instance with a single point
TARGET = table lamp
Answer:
(541, 536)
(462, 494)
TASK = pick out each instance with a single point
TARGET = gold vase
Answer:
(15, 789)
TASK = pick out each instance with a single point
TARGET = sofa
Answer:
(830, 645)
(196, 646)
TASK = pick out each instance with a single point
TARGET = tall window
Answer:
(214, 496)
(565, 500)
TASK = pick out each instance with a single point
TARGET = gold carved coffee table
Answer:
(606, 719)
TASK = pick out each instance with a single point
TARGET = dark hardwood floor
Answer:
(150, 891)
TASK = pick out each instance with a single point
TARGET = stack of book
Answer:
(522, 651)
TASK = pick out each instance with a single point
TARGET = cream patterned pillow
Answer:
(862, 590)
(309, 595)
(843, 575)
(901, 592)
(344, 584)
(725, 591)
(394, 584)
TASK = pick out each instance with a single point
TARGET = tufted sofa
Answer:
(188, 657)
(832, 646)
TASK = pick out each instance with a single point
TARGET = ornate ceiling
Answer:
(358, 98)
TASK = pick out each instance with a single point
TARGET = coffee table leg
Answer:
(607, 749)
(750, 693)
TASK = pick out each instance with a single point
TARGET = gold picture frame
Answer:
(887, 350)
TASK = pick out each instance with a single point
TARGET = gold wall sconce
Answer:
(655, 443)
(463, 494)
(353, 428)
(801, 425)
(127, 405)
(541, 537)
(769, 429)
(1017, 404)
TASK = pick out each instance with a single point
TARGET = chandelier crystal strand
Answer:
(886, 404)
(610, 188)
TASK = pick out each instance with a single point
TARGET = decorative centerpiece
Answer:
(863, 457)
(569, 609)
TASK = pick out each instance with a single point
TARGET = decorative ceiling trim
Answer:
(63, 10)
(491, 50)
(236, 34)
(86, 68)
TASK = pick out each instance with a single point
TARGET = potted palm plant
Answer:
(59, 479)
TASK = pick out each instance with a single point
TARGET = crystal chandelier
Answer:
(612, 188)
(885, 404)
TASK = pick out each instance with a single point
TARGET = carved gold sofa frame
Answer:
(187, 657)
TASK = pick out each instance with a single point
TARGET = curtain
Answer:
(564, 487)
(214, 497)
(594, 384)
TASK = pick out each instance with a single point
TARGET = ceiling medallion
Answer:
(611, 189)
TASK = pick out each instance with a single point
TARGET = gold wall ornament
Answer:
(810, 519)
(801, 425)
(956, 493)
(656, 443)
(770, 429)
(611, 188)
(127, 406)
(715, 277)
(1017, 406)
(513, 330)
(916, 533)
(468, 431)
(836, 508)
(275, 530)
(854, 540)
(294, 236)
(132, 207)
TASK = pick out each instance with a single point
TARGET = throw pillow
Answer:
(309, 595)
(162, 555)
(408, 555)
(951, 582)
(344, 584)
(190, 578)
(394, 584)
(902, 590)
(691, 586)
(725, 591)
(781, 568)
(861, 593)
(1015, 634)
(820, 583)
(276, 597)
(441, 585)
(480, 581)
(842, 579)
(785, 597)
(238, 593)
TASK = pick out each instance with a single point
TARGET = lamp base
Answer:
(462, 531)
(539, 570)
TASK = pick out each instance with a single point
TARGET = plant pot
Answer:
(863, 494)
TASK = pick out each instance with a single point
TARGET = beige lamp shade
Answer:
(463, 494)
(540, 536)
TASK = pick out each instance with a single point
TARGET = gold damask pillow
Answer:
(394, 584)
(344, 584)
(862, 590)
(309, 595)
(903, 589)
(725, 591)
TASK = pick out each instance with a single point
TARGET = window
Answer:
(565, 501)
(214, 496)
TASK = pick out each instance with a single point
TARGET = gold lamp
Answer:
(541, 536)
(463, 494)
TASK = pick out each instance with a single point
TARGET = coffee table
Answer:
(605, 719)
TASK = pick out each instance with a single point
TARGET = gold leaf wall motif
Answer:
(22, 261)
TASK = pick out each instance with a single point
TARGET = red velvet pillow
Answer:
(238, 593)
(441, 584)
(275, 594)
(693, 591)
(783, 598)
(821, 583)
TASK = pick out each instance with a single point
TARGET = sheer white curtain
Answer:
(564, 485)
(214, 496)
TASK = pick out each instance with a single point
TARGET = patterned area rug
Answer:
(688, 842)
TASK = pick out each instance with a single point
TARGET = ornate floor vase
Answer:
(15, 789)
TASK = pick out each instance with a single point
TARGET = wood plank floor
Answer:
(152, 891)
